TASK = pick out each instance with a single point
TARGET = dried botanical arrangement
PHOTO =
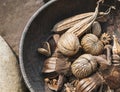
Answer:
(81, 56)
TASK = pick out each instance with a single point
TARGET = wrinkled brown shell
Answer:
(94, 83)
(68, 44)
(91, 44)
(83, 66)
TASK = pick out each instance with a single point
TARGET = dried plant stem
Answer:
(81, 27)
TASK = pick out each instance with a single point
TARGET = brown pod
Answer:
(96, 28)
(90, 84)
(105, 38)
(68, 44)
(91, 44)
(84, 66)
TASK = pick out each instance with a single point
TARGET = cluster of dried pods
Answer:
(81, 57)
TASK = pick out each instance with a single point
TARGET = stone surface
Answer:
(10, 76)
(14, 14)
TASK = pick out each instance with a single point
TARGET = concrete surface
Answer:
(14, 14)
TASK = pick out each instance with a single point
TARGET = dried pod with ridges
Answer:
(90, 84)
(91, 44)
(68, 44)
(65, 24)
(84, 66)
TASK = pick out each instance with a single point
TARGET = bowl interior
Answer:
(38, 30)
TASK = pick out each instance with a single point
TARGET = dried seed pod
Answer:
(96, 28)
(45, 50)
(84, 66)
(81, 27)
(56, 64)
(68, 44)
(105, 38)
(116, 46)
(65, 24)
(69, 22)
(90, 84)
(91, 44)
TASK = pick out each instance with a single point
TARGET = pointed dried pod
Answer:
(65, 24)
(105, 38)
(96, 28)
(91, 44)
(84, 66)
(116, 46)
(81, 27)
(90, 84)
(69, 22)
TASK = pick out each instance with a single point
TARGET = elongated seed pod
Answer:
(69, 22)
(65, 24)
(81, 27)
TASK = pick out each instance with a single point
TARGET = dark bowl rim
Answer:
(22, 42)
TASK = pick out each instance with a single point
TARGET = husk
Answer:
(81, 27)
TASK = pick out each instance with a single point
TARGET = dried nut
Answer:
(96, 28)
(68, 44)
(91, 44)
(84, 66)
(116, 46)
(105, 38)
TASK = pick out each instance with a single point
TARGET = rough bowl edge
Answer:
(22, 42)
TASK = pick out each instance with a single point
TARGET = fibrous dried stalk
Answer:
(65, 24)
(81, 27)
